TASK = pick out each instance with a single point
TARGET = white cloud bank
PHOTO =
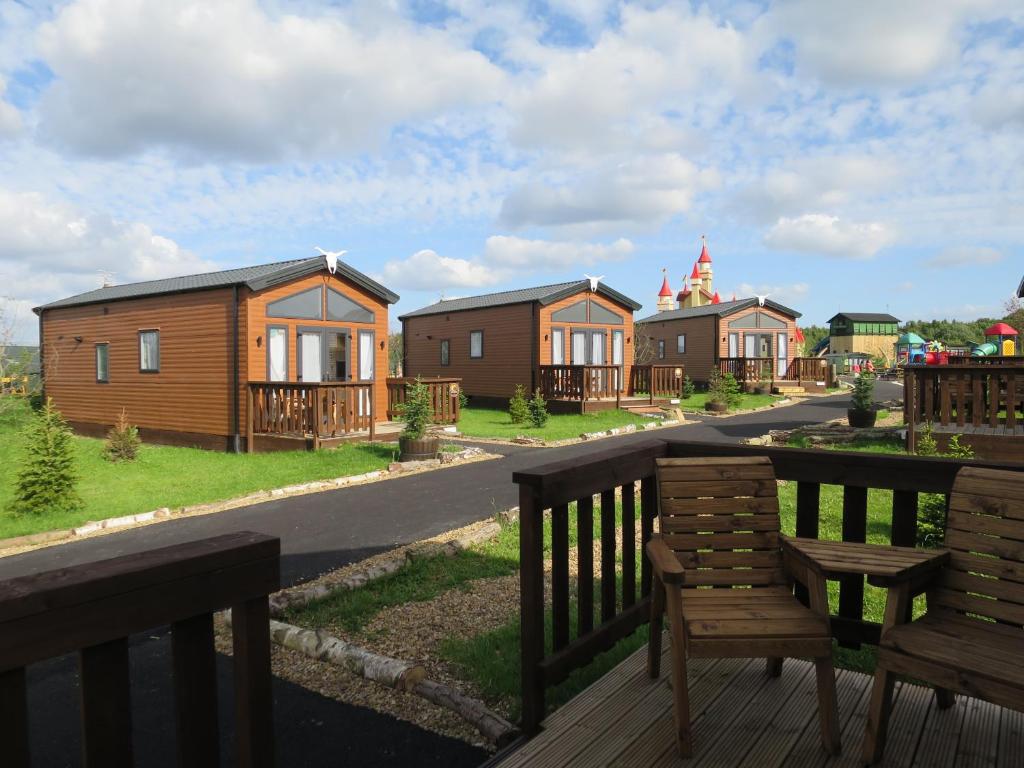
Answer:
(964, 256)
(10, 117)
(426, 270)
(227, 79)
(828, 236)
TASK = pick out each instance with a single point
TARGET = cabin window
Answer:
(681, 344)
(782, 351)
(446, 351)
(574, 313)
(558, 346)
(343, 309)
(661, 349)
(476, 344)
(601, 314)
(579, 348)
(306, 305)
(366, 355)
(734, 345)
(102, 363)
(149, 351)
(277, 353)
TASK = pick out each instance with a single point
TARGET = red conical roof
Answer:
(704, 257)
(683, 293)
(695, 275)
(1000, 329)
(666, 289)
(716, 299)
(799, 335)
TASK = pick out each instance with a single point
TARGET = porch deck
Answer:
(742, 717)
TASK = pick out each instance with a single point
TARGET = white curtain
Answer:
(579, 349)
(617, 348)
(278, 350)
(597, 348)
(782, 353)
(750, 345)
(558, 347)
(310, 346)
(734, 345)
(365, 355)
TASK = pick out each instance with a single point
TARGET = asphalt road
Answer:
(320, 532)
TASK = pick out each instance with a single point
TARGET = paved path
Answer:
(320, 532)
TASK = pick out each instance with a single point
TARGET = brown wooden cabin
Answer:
(253, 358)
(742, 337)
(573, 342)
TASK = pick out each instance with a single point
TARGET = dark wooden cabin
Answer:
(250, 358)
(572, 340)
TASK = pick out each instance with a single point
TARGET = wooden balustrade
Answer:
(810, 369)
(986, 360)
(624, 477)
(444, 395)
(580, 382)
(316, 411)
(95, 607)
(748, 368)
(657, 380)
(977, 395)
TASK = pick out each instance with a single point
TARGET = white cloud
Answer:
(784, 294)
(644, 190)
(516, 253)
(228, 79)
(427, 270)
(965, 256)
(875, 42)
(10, 117)
(49, 250)
(829, 236)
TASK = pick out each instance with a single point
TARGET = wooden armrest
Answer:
(664, 561)
(883, 565)
(796, 563)
(918, 574)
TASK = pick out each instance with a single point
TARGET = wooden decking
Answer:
(743, 718)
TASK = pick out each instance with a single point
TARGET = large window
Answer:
(661, 349)
(446, 351)
(277, 353)
(366, 345)
(681, 344)
(476, 343)
(149, 351)
(102, 363)
(558, 346)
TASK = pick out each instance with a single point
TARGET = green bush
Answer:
(723, 388)
(123, 441)
(538, 410)
(931, 510)
(417, 411)
(863, 397)
(688, 389)
(47, 480)
(925, 444)
(463, 399)
(518, 410)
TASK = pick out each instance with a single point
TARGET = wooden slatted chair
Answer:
(727, 585)
(970, 640)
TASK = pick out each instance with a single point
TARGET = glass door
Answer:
(618, 356)
(579, 348)
(782, 349)
(277, 354)
(310, 362)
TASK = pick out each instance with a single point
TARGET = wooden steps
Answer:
(788, 388)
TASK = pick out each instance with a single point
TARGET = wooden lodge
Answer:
(270, 356)
(750, 339)
(574, 341)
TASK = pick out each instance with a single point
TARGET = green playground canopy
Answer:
(910, 338)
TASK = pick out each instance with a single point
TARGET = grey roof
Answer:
(721, 309)
(255, 277)
(866, 317)
(16, 352)
(545, 294)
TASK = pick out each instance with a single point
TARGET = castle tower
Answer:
(683, 297)
(665, 301)
(704, 262)
(695, 281)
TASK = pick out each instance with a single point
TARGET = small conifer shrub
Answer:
(123, 440)
(46, 482)
(518, 410)
(538, 410)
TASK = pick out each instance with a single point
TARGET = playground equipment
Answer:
(910, 348)
(1000, 339)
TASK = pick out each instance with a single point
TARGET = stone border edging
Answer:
(468, 454)
(538, 442)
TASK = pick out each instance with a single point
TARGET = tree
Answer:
(538, 410)
(394, 354)
(644, 349)
(47, 481)
(1015, 313)
(123, 441)
(813, 334)
(518, 410)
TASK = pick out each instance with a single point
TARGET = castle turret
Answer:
(695, 282)
(704, 263)
(665, 301)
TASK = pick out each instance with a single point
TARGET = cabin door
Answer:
(311, 369)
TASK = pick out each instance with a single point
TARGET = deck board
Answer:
(741, 717)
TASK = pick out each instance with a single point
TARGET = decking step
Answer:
(789, 390)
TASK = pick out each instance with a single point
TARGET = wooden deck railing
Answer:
(748, 368)
(444, 394)
(810, 369)
(986, 360)
(580, 382)
(92, 609)
(978, 395)
(657, 380)
(613, 476)
(315, 411)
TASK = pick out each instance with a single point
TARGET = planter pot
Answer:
(714, 407)
(763, 389)
(861, 418)
(418, 449)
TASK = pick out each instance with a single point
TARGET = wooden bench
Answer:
(970, 640)
(727, 584)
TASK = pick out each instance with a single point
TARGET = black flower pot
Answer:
(861, 419)
(418, 449)
(714, 406)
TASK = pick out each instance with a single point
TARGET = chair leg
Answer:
(680, 688)
(828, 708)
(944, 698)
(773, 667)
(657, 617)
(878, 716)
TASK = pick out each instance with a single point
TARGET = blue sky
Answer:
(860, 156)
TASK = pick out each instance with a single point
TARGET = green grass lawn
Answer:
(696, 401)
(165, 476)
(492, 422)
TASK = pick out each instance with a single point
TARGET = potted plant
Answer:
(723, 392)
(764, 382)
(862, 410)
(418, 412)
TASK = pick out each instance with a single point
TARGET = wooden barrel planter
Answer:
(861, 419)
(715, 407)
(420, 449)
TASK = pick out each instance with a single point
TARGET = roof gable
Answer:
(722, 309)
(865, 317)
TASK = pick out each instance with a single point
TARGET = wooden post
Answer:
(808, 506)
(910, 407)
(14, 718)
(250, 416)
(195, 692)
(373, 411)
(585, 565)
(254, 720)
(531, 608)
(560, 576)
(106, 708)
(851, 588)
